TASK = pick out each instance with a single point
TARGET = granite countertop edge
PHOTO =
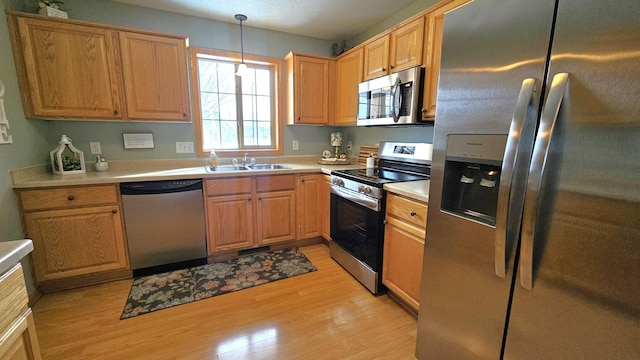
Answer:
(11, 252)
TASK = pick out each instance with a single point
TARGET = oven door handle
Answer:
(366, 202)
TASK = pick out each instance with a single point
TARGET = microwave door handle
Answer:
(536, 175)
(516, 140)
(396, 100)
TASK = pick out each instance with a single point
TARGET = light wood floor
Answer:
(326, 314)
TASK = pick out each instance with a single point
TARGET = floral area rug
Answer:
(161, 291)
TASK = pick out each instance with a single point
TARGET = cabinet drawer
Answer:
(275, 183)
(412, 211)
(14, 300)
(40, 199)
(228, 186)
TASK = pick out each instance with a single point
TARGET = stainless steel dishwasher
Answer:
(165, 226)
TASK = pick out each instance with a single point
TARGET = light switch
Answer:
(296, 145)
(95, 148)
(185, 147)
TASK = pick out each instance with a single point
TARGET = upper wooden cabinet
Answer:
(308, 89)
(77, 70)
(432, 54)
(155, 77)
(67, 70)
(348, 76)
(400, 49)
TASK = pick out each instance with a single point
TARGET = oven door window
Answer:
(358, 230)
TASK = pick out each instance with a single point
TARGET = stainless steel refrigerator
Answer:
(533, 234)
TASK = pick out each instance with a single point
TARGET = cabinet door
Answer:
(276, 216)
(376, 58)
(402, 262)
(230, 222)
(325, 206)
(433, 50)
(21, 341)
(406, 46)
(76, 241)
(309, 214)
(68, 70)
(155, 77)
(310, 90)
(348, 76)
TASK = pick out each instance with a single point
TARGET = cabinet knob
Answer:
(298, 118)
(413, 213)
(384, 222)
(424, 110)
(259, 197)
(248, 199)
(115, 112)
(184, 114)
(70, 197)
(391, 66)
(114, 211)
(301, 180)
(383, 69)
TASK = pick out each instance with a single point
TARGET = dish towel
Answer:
(5, 138)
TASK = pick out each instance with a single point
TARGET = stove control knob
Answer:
(361, 188)
(337, 181)
(367, 190)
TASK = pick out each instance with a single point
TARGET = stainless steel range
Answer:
(358, 206)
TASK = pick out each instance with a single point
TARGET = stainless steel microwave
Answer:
(392, 99)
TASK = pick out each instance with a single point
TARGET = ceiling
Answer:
(323, 19)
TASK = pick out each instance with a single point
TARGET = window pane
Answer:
(209, 106)
(263, 82)
(228, 110)
(211, 134)
(263, 107)
(249, 82)
(250, 138)
(264, 133)
(248, 108)
(229, 135)
(226, 78)
(208, 75)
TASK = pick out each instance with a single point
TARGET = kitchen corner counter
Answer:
(417, 190)
(151, 170)
(11, 252)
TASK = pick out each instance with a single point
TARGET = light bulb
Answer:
(242, 70)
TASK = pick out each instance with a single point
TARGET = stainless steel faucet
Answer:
(244, 159)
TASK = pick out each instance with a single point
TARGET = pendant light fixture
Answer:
(242, 68)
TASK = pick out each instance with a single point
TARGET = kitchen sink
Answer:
(269, 166)
(226, 168)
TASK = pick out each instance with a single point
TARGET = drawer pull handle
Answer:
(114, 211)
(70, 197)
(413, 213)
(248, 199)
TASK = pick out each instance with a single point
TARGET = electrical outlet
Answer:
(95, 148)
(296, 145)
(349, 145)
(185, 147)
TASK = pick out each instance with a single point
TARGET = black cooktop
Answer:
(378, 177)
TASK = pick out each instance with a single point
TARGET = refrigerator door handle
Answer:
(525, 99)
(536, 175)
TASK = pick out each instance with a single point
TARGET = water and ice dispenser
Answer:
(472, 175)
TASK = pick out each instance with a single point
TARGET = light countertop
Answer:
(417, 190)
(11, 252)
(150, 170)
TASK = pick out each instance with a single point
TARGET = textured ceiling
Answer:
(323, 19)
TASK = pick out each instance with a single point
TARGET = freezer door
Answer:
(578, 289)
(493, 62)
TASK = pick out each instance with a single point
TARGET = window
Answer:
(235, 114)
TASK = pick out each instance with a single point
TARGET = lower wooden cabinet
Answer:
(18, 338)
(76, 231)
(404, 232)
(309, 214)
(249, 212)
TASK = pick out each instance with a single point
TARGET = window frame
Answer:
(278, 124)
